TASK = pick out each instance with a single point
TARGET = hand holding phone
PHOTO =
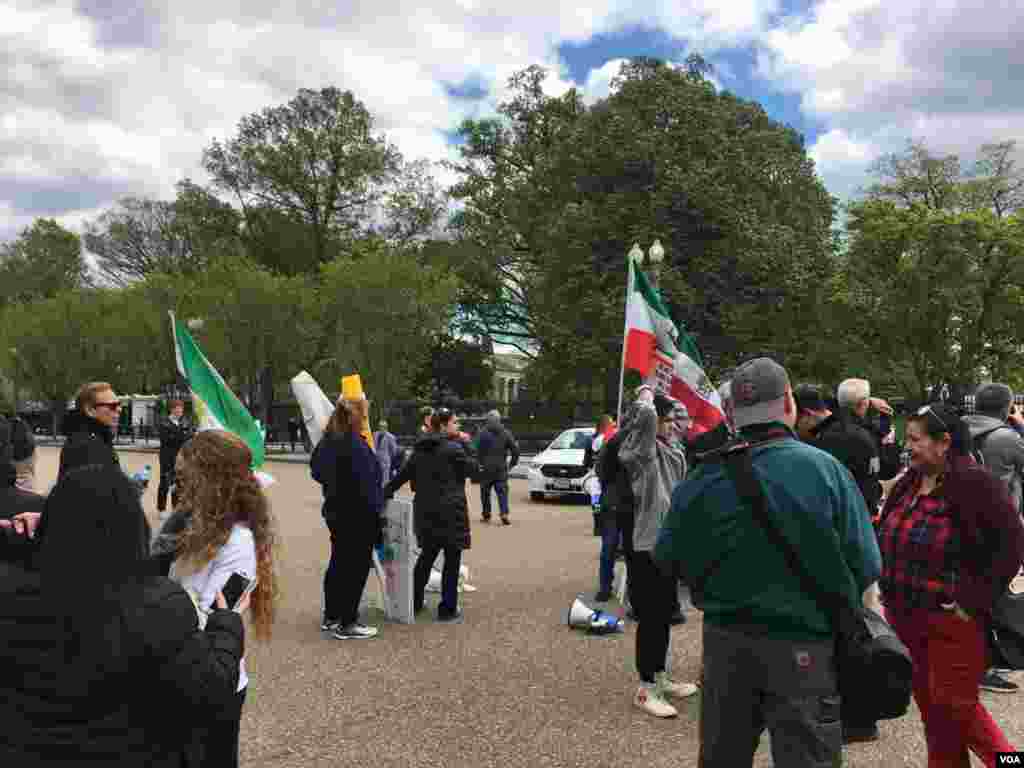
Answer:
(234, 588)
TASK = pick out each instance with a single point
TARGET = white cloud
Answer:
(116, 102)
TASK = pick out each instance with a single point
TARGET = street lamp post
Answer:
(655, 256)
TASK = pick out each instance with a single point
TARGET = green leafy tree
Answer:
(314, 160)
(42, 261)
(141, 236)
(455, 367)
(554, 194)
(382, 311)
(258, 329)
(930, 282)
(55, 344)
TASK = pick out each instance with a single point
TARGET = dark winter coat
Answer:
(617, 501)
(52, 720)
(846, 438)
(89, 442)
(89, 640)
(494, 446)
(350, 474)
(172, 437)
(437, 471)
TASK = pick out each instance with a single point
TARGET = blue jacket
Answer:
(817, 505)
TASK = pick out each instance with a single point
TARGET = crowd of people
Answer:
(930, 544)
(100, 619)
(99, 616)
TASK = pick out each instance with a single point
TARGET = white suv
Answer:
(558, 470)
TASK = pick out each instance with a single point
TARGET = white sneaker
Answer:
(673, 690)
(652, 702)
(355, 632)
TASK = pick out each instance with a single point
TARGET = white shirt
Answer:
(237, 554)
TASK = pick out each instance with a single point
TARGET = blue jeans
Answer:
(501, 489)
(611, 536)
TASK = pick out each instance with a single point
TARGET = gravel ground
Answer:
(510, 687)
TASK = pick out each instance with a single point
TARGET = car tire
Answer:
(536, 496)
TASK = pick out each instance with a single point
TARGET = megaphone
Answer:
(581, 616)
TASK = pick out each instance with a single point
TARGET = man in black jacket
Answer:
(175, 431)
(495, 445)
(90, 428)
(848, 436)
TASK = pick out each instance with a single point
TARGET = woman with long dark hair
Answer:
(951, 542)
(229, 530)
(351, 477)
(90, 639)
(438, 469)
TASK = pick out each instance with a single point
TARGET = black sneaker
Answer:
(485, 518)
(603, 596)
(859, 734)
(993, 682)
(449, 618)
(506, 521)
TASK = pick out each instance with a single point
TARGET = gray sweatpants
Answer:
(752, 681)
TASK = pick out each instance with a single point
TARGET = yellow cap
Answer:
(352, 387)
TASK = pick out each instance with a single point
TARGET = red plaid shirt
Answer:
(920, 543)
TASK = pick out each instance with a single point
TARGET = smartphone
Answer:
(234, 588)
(884, 423)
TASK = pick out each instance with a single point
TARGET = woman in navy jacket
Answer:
(350, 474)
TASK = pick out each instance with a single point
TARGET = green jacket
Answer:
(816, 503)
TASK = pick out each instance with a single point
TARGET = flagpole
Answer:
(625, 325)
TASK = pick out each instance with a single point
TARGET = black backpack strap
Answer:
(741, 469)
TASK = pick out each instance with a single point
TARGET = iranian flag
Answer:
(683, 378)
(649, 329)
(668, 360)
(216, 406)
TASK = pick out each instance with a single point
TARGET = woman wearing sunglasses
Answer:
(91, 428)
(951, 543)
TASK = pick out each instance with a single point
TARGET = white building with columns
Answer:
(509, 371)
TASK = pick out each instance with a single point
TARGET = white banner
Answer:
(397, 558)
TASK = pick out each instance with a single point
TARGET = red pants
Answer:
(950, 655)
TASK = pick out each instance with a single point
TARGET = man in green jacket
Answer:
(768, 651)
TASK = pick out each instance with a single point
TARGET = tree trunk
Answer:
(266, 386)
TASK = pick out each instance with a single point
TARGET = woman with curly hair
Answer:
(230, 529)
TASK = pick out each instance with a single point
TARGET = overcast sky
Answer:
(105, 98)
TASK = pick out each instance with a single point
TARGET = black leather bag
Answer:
(873, 666)
(1007, 632)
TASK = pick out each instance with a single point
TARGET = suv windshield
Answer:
(574, 439)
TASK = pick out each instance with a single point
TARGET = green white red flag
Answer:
(667, 359)
(215, 405)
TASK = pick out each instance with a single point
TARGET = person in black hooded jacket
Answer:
(89, 639)
(91, 428)
(440, 463)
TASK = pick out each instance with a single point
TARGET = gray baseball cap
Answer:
(758, 389)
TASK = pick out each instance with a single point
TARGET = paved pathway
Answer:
(510, 687)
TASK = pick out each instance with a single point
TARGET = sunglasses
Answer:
(927, 409)
(114, 405)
